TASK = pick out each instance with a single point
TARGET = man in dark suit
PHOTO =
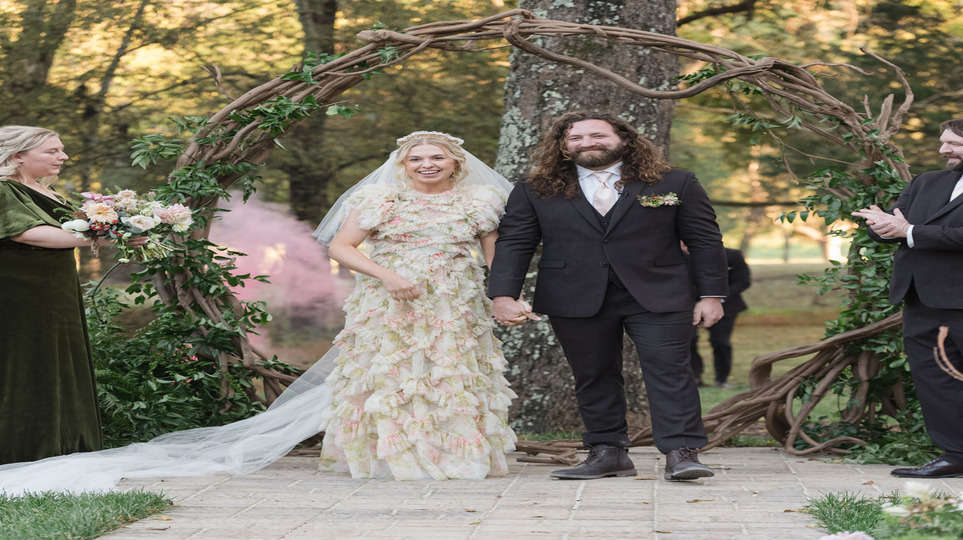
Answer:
(927, 221)
(720, 334)
(609, 213)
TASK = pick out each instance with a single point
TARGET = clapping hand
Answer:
(885, 225)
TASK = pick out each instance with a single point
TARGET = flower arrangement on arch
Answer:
(125, 215)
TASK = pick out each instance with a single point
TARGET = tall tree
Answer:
(538, 91)
(305, 164)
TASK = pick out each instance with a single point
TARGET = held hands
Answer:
(512, 312)
(707, 312)
(138, 241)
(400, 288)
(886, 225)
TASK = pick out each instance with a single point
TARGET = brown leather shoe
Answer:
(603, 460)
(938, 468)
(683, 464)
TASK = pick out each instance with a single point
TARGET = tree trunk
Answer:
(304, 163)
(537, 92)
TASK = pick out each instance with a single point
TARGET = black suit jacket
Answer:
(934, 265)
(739, 280)
(640, 243)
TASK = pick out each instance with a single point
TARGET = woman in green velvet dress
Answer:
(48, 404)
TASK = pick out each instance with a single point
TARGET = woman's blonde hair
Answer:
(450, 145)
(17, 139)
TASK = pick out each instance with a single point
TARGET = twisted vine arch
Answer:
(238, 137)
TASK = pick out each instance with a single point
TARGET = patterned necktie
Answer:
(604, 196)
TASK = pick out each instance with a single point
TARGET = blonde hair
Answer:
(449, 145)
(17, 139)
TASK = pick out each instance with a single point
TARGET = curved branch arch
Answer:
(233, 136)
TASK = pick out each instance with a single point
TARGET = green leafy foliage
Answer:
(146, 151)
(160, 377)
(834, 193)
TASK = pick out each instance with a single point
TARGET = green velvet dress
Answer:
(48, 402)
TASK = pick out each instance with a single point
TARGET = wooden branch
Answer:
(942, 360)
(746, 6)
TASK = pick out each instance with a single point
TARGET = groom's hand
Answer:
(510, 312)
(707, 312)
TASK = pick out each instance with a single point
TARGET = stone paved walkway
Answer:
(757, 493)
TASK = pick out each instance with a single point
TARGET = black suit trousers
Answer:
(593, 346)
(941, 396)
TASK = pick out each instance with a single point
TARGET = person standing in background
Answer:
(720, 334)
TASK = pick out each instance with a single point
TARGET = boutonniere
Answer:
(666, 199)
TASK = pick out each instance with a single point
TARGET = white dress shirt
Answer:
(590, 183)
(957, 191)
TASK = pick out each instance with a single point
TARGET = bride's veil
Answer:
(237, 448)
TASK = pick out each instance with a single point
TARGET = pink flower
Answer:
(177, 215)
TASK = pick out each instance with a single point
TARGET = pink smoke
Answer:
(303, 295)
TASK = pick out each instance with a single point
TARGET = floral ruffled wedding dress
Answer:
(417, 390)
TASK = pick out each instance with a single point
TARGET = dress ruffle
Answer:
(418, 390)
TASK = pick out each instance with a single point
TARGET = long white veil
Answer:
(240, 447)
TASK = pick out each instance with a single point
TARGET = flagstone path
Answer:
(757, 493)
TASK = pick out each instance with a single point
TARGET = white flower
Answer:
(895, 510)
(920, 490)
(76, 225)
(151, 207)
(141, 223)
(124, 260)
(126, 200)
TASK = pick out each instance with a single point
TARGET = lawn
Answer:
(781, 314)
(58, 515)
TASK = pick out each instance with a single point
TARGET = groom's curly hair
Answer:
(553, 170)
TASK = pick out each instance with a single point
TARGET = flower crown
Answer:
(429, 135)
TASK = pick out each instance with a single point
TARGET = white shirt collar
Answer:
(615, 170)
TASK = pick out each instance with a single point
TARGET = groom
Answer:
(609, 213)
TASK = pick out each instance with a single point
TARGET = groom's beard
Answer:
(606, 156)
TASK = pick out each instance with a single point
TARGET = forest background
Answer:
(103, 73)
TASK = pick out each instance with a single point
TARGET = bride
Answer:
(413, 387)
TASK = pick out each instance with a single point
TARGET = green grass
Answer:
(58, 515)
(838, 512)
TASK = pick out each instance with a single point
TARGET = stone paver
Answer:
(757, 493)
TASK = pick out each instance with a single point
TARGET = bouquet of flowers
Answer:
(125, 215)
